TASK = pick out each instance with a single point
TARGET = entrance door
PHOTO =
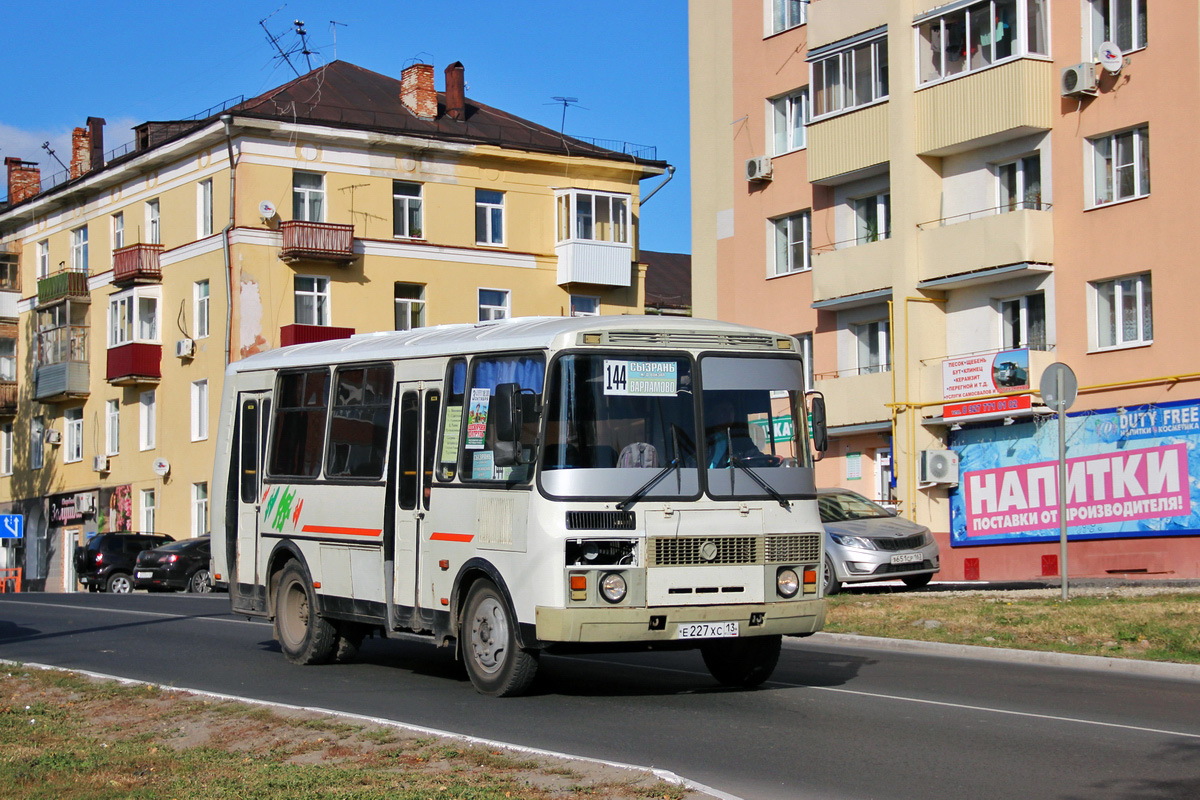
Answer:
(418, 418)
(883, 477)
(248, 450)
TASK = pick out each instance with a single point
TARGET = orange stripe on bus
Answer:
(451, 537)
(345, 531)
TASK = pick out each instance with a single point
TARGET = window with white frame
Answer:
(593, 216)
(8, 359)
(1124, 315)
(133, 316)
(1122, 22)
(72, 435)
(1023, 322)
(112, 427)
(308, 196)
(410, 306)
(872, 338)
(79, 249)
(806, 354)
(1019, 184)
(1121, 165)
(872, 217)
(979, 35)
(148, 427)
(199, 509)
(406, 210)
(585, 306)
(149, 506)
(489, 217)
(6, 448)
(849, 78)
(789, 115)
(204, 208)
(787, 14)
(43, 259)
(118, 230)
(153, 220)
(199, 410)
(200, 308)
(792, 251)
(312, 300)
(493, 304)
(37, 443)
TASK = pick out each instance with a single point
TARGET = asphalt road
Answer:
(834, 722)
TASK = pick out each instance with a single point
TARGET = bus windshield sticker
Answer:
(452, 433)
(477, 415)
(483, 466)
(645, 378)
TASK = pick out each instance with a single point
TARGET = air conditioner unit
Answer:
(185, 348)
(100, 464)
(52, 436)
(758, 168)
(938, 466)
(1079, 80)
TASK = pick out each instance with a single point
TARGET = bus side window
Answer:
(456, 386)
(298, 436)
(249, 444)
(410, 436)
(358, 431)
(433, 403)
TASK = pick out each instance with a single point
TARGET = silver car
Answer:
(866, 542)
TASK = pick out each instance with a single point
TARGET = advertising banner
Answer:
(977, 376)
(1129, 474)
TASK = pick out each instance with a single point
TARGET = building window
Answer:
(10, 272)
(199, 509)
(489, 217)
(1122, 22)
(200, 308)
(308, 196)
(112, 427)
(787, 14)
(199, 410)
(8, 359)
(72, 435)
(118, 230)
(872, 338)
(43, 259)
(792, 252)
(493, 304)
(856, 76)
(1020, 184)
(6, 448)
(37, 443)
(979, 35)
(789, 115)
(148, 427)
(79, 249)
(410, 306)
(406, 210)
(149, 506)
(872, 218)
(1121, 165)
(1023, 322)
(133, 317)
(204, 208)
(584, 306)
(153, 233)
(1123, 312)
(594, 217)
(806, 354)
(312, 300)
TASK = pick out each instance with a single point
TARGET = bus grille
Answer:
(702, 551)
(794, 548)
(695, 340)
(601, 520)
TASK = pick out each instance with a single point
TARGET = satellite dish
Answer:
(1110, 57)
(266, 209)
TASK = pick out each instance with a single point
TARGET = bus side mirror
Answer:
(820, 432)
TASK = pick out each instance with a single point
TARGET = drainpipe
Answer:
(227, 121)
(670, 174)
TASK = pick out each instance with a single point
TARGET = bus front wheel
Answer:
(744, 663)
(495, 662)
(303, 636)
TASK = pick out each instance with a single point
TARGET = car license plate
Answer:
(706, 630)
(907, 558)
(140, 575)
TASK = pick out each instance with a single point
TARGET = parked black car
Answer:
(105, 563)
(175, 565)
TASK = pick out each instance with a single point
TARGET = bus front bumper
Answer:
(661, 624)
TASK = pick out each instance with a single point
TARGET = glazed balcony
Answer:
(137, 263)
(134, 363)
(63, 284)
(597, 263)
(316, 241)
(848, 143)
(307, 334)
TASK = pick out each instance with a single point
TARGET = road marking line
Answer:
(136, 613)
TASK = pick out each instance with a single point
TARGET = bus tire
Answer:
(303, 635)
(744, 663)
(350, 637)
(495, 663)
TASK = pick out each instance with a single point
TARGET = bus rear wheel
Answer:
(495, 662)
(743, 663)
(303, 636)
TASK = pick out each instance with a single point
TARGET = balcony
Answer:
(8, 398)
(856, 399)
(846, 271)
(134, 363)
(63, 284)
(62, 364)
(987, 247)
(316, 241)
(137, 263)
(307, 334)
(598, 263)
(848, 143)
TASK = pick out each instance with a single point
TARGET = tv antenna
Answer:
(50, 150)
(274, 40)
(303, 34)
(333, 23)
(566, 101)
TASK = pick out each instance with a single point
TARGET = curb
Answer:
(1130, 666)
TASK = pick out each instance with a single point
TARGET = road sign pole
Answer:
(1062, 483)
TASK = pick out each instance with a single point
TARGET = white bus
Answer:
(525, 486)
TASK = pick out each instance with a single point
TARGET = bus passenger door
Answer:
(418, 419)
(244, 583)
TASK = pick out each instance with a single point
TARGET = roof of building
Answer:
(668, 279)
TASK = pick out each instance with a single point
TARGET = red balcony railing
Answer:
(135, 363)
(137, 263)
(316, 241)
(307, 334)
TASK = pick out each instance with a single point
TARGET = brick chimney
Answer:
(417, 92)
(81, 152)
(455, 103)
(24, 179)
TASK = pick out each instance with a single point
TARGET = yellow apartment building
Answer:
(343, 202)
(941, 199)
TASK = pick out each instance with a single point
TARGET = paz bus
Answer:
(522, 487)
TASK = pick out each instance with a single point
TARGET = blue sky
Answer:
(625, 61)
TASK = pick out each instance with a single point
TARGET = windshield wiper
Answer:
(734, 461)
(648, 485)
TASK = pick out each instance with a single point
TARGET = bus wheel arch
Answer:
(304, 636)
(284, 552)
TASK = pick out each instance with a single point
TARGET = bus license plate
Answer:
(907, 558)
(706, 630)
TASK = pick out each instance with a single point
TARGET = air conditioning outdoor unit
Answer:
(100, 464)
(185, 348)
(758, 168)
(938, 466)
(52, 436)
(1079, 80)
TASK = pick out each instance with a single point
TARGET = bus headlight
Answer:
(613, 588)
(787, 583)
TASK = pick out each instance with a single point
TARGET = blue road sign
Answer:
(12, 526)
